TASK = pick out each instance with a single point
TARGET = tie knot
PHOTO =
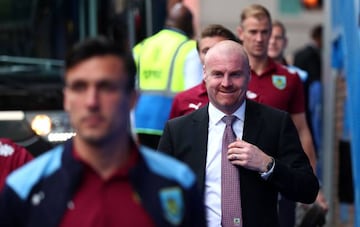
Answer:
(229, 119)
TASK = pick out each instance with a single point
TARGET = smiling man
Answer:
(196, 97)
(240, 181)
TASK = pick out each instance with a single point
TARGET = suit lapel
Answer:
(200, 126)
(252, 123)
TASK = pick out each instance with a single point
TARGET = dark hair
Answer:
(316, 31)
(101, 46)
(218, 30)
(213, 30)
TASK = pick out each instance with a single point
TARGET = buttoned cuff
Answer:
(266, 175)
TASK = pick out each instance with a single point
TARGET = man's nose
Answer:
(259, 37)
(271, 40)
(226, 81)
(92, 97)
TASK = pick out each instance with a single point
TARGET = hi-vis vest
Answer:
(160, 61)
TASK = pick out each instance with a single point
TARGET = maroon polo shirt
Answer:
(189, 100)
(111, 202)
(278, 88)
(12, 156)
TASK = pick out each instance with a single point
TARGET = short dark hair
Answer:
(101, 46)
(316, 32)
(218, 30)
(213, 30)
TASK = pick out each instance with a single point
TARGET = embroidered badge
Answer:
(172, 204)
(6, 150)
(279, 81)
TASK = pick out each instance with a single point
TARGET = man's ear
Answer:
(65, 102)
(133, 99)
(204, 73)
(285, 43)
(240, 32)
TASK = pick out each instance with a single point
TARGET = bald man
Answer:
(267, 154)
(192, 99)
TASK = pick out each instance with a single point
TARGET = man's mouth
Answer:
(93, 120)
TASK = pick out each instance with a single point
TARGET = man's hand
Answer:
(321, 201)
(248, 156)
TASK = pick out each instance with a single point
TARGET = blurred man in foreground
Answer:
(100, 177)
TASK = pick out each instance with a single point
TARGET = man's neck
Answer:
(258, 64)
(280, 60)
(105, 160)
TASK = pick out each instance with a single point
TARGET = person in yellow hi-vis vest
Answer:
(167, 63)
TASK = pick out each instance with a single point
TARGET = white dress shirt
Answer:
(213, 161)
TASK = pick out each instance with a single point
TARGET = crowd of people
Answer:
(219, 137)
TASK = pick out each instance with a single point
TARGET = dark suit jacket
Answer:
(273, 132)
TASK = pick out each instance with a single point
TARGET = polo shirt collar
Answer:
(271, 67)
(123, 171)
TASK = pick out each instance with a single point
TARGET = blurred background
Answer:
(35, 35)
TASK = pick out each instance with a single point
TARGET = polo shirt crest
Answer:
(279, 81)
(172, 204)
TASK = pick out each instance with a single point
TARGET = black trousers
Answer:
(286, 212)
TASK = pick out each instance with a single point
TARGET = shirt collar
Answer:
(215, 115)
(270, 67)
(123, 171)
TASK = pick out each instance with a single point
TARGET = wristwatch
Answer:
(265, 175)
(270, 165)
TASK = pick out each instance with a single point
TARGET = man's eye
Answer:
(205, 50)
(102, 86)
(239, 74)
(77, 87)
(217, 74)
(109, 87)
